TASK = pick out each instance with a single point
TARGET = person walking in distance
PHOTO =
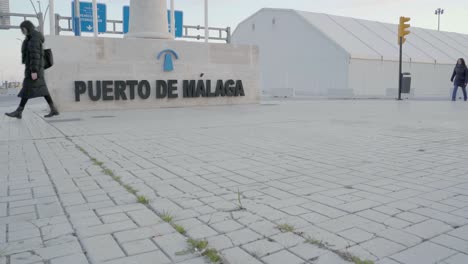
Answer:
(34, 84)
(459, 78)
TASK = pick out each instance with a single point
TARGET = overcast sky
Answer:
(225, 13)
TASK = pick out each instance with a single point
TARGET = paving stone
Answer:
(3, 209)
(288, 239)
(262, 248)
(25, 258)
(220, 242)
(411, 217)
(330, 258)
(387, 261)
(396, 223)
(57, 230)
(428, 229)
(399, 236)
(120, 209)
(227, 226)
(451, 242)
(144, 217)
(71, 259)
(387, 210)
(59, 250)
(114, 218)
(324, 210)
(315, 218)
(265, 228)
(343, 223)
(172, 245)
(139, 246)
(238, 256)
(155, 257)
(49, 210)
(358, 206)
(381, 247)
(106, 229)
(357, 235)
(102, 248)
(243, 236)
(144, 232)
(442, 216)
(202, 231)
(22, 210)
(361, 252)
(282, 257)
(457, 259)
(23, 234)
(420, 254)
(461, 232)
(308, 251)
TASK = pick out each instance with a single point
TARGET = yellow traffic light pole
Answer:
(402, 32)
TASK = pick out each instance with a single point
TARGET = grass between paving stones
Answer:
(200, 246)
(130, 189)
(241, 207)
(180, 229)
(344, 255)
(286, 228)
(142, 199)
(167, 217)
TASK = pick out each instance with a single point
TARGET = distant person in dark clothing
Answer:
(459, 78)
(34, 84)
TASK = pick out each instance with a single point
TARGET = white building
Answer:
(311, 54)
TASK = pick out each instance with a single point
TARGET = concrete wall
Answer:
(84, 59)
(295, 58)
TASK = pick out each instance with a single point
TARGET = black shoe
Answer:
(18, 113)
(53, 112)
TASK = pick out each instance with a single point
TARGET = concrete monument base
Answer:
(110, 73)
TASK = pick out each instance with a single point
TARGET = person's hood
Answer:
(29, 26)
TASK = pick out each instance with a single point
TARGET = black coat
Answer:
(460, 74)
(33, 60)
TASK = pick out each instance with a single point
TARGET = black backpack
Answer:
(48, 59)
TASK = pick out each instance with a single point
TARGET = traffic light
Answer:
(403, 29)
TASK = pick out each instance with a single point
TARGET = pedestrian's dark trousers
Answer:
(25, 100)
(455, 89)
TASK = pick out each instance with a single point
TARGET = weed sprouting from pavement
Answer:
(285, 228)
(167, 217)
(180, 229)
(142, 199)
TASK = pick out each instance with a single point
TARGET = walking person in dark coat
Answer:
(34, 84)
(459, 78)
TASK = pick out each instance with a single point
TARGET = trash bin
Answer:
(406, 83)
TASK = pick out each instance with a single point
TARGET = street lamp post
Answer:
(439, 12)
(207, 31)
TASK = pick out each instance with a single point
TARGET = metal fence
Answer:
(39, 18)
(189, 32)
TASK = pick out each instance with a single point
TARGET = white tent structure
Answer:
(312, 54)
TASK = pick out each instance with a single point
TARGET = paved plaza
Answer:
(284, 182)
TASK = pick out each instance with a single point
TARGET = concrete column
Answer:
(148, 19)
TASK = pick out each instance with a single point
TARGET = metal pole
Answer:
(40, 18)
(207, 31)
(57, 24)
(95, 19)
(400, 70)
(77, 22)
(173, 30)
(438, 23)
(52, 17)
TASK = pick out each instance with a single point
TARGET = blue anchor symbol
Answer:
(168, 54)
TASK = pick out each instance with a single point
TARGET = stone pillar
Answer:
(148, 19)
